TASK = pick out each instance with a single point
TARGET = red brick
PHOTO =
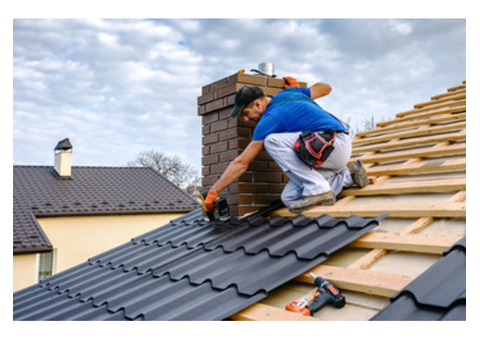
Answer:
(272, 166)
(214, 105)
(206, 98)
(250, 79)
(205, 89)
(210, 159)
(205, 150)
(265, 198)
(228, 156)
(229, 101)
(253, 187)
(208, 181)
(275, 188)
(246, 177)
(201, 110)
(219, 147)
(240, 143)
(209, 139)
(259, 166)
(245, 132)
(268, 177)
(218, 168)
(233, 188)
(210, 118)
(227, 134)
(245, 198)
(264, 156)
(219, 125)
(226, 91)
(205, 171)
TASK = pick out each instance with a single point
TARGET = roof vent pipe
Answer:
(266, 69)
(63, 158)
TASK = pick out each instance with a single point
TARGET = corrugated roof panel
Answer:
(437, 294)
(155, 278)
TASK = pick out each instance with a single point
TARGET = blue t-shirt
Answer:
(294, 116)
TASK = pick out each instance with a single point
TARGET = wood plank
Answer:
(455, 149)
(450, 137)
(415, 123)
(443, 99)
(262, 312)
(369, 282)
(423, 115)
(430, 244)
(404, 210)
(367, 260)
(450, 184)
(421, 131)
(423, 167)
(432, 107)
(461, 89)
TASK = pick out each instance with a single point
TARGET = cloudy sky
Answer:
(117, 87)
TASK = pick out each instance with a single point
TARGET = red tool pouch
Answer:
(313, 148)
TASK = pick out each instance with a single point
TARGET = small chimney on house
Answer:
(224, 138)
(63, 159)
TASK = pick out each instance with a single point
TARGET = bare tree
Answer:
(179, 173)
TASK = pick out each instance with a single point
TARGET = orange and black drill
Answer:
(326, 293)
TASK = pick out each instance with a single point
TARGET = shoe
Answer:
(308, 202)
(359, 174)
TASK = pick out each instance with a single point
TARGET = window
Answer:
(45, 265)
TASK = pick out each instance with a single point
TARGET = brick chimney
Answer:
(63, 159)
(224, 138)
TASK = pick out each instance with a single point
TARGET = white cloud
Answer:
(116, 87)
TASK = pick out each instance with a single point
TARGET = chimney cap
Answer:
(64, 145)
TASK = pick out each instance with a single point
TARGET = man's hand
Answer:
(291, 82)
(209, 200)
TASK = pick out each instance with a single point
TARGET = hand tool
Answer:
(220, 206)
(326, 293)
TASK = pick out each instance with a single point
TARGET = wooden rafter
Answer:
(429, 244)
(405, 210)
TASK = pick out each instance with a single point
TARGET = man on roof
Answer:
(317, 171)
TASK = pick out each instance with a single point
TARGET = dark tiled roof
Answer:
(438, 294)
(189, 269)
(39, 191)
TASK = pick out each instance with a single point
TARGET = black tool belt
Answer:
(313, 148)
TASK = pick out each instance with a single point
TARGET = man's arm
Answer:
(238, 166)
(319, 90)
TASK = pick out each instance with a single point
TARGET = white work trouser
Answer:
(304, 180)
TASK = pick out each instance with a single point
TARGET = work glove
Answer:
(211, 197)
(290, 82)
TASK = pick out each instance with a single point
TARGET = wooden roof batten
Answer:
(421, 154)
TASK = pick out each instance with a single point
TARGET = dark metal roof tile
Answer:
(438, 293)
(174, 273)
(37, 191)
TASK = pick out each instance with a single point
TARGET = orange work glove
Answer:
(291, 82)
(211, 197)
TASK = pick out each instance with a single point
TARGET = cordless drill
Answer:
(220, 204)
(326, 293)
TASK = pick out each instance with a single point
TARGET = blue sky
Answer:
(121, 86)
